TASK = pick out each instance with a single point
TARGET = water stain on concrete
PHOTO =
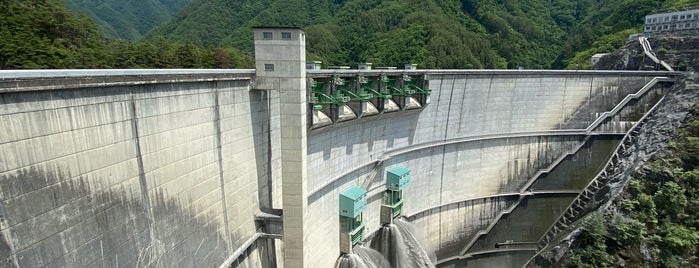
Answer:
(78, 225)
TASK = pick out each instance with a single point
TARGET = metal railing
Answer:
(571, 213)
(586, 191)
(649, 52)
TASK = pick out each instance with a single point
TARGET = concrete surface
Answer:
(171, 169)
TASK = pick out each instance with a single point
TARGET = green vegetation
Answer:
(660, 214)
(432, 33)
(128, 19)
(44, 34)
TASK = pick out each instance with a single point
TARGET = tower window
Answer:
(269, 67)
(267, 35)
(286, 35)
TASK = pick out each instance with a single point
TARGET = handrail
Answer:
(649, 52)
(625, 101)
(508, 194)
(415, 147)
(240, 250)
(65, 79)
(512, 207)
(551, 232)
(588, 131)
(502, 250)
(556, 132)
(508, 72)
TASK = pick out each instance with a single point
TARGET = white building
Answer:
(684, 22)
(595, 58)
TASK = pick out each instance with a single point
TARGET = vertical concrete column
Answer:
(280, 59)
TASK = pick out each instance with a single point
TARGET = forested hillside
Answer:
(44, 34)
(432, 33)
(128, 19)
(654, 222)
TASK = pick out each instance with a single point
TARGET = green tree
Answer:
(678, 240)
(593, 250)
(45, 35)
(670, 201)
(187, 56)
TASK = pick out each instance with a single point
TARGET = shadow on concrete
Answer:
(366, 130)
(260, 117)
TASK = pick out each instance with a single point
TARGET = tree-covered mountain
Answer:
(128, 19)
(45, 35)
(432, 33)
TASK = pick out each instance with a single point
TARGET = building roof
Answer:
(278, 27)
(399, 171)
(353, 193)
(665, 11)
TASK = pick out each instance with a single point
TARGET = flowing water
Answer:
(400, 244)
(363, 257)
(397, 245)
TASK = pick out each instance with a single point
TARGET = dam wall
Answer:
(118, 168)
(171, 167)
(471, 151)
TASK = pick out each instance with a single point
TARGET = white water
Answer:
(397, 245)
(363, 257)
(400, 244)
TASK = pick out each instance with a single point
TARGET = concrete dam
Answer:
(253, 168)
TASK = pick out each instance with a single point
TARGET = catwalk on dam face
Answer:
(513, 239)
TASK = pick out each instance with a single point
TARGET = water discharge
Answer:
(400, 244)
(363, 257)
(397, 245)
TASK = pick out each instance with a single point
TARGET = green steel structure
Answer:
(328, 93)
(352, 203)
(396, 180)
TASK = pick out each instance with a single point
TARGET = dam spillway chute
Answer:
(340, 96)
(409, 91)
(389, 106)
(319, 118)
(361, 97)
(345, 113)
(338, 100)
(411, 103)
(365, 109)
(382, 100)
